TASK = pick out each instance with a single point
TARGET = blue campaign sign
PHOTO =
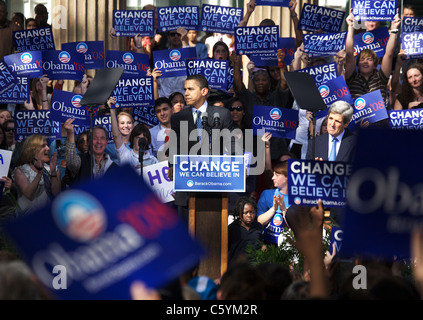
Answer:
(316, 18)
(322, 73)
(220, 19)
(93, 52)
(145, 115)
(288, 47)
(29, 122)
(66, 105)
(34, 39)
(257, 40)
(26, 64)
(274, 3)
(98, 121)
(411, 24)
(310, 180)
(129, 23)
(134, 92)
(173, 62)
(281, 122)
(7, 78)
(374, 10)
(369, 107)
(334, 90)
(134, 64)
(104, 245)
(412, 44)
(215, 71)
(410, 119)
(209, 173)
(375, 40)
(17, 94)
(384, 192)
(173, 17)
(63, 65)
(325, 44)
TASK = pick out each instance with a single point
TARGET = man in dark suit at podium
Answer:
(338, 144)
(198, 115)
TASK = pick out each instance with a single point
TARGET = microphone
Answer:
(216, 119)
(204, 118)
(142, 142)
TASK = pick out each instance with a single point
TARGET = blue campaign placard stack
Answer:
(209, 173)
(411, 24)
(322, 73)
(384, 192)
(34, 39)
(92, 51)
(281, 122)
(104, 245)
(26, 64)
(310, 180)
(220, 19)
(129, 23)
(174, 17)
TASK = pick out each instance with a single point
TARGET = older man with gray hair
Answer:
(338, 144)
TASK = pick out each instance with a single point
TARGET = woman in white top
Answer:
(131, 155)
(36, 177)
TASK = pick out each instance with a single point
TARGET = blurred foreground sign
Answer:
(104, 235)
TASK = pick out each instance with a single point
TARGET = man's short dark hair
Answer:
(161, 101)
(201, 80)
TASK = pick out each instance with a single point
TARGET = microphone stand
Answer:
(141, 155)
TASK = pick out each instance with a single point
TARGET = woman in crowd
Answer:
(411, 95)
(36, 177)
(178, 101)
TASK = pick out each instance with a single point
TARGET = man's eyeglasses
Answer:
(172, 34)
(9, 129)
(236, 108)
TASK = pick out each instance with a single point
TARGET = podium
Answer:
(208, 224)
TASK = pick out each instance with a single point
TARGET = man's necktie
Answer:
(199, 124)
(332, 155)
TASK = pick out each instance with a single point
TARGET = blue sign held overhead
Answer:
(288, 47)
(412, 44)
(129, 23)
(173, 63)
(209, 173)
(325, 44)
(93, 52)
(410, 119)
(310, 180)
(102, 245)
(7, 78)
(220, 19)
(316, 18)
(29, 122)
(375, 40)
(173, 17)
(66, 105)
(134, 64)
(63, 65)
(322, 73)
(145, 115)
(215, 71)
(374, 10)
(134, 92)
(34, 39)
(334, 90)
(257, 40)
(26, 64)
(17, 94)
(281, 122)
(411, 24)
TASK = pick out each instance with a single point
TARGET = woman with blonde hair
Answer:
(36, 177)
